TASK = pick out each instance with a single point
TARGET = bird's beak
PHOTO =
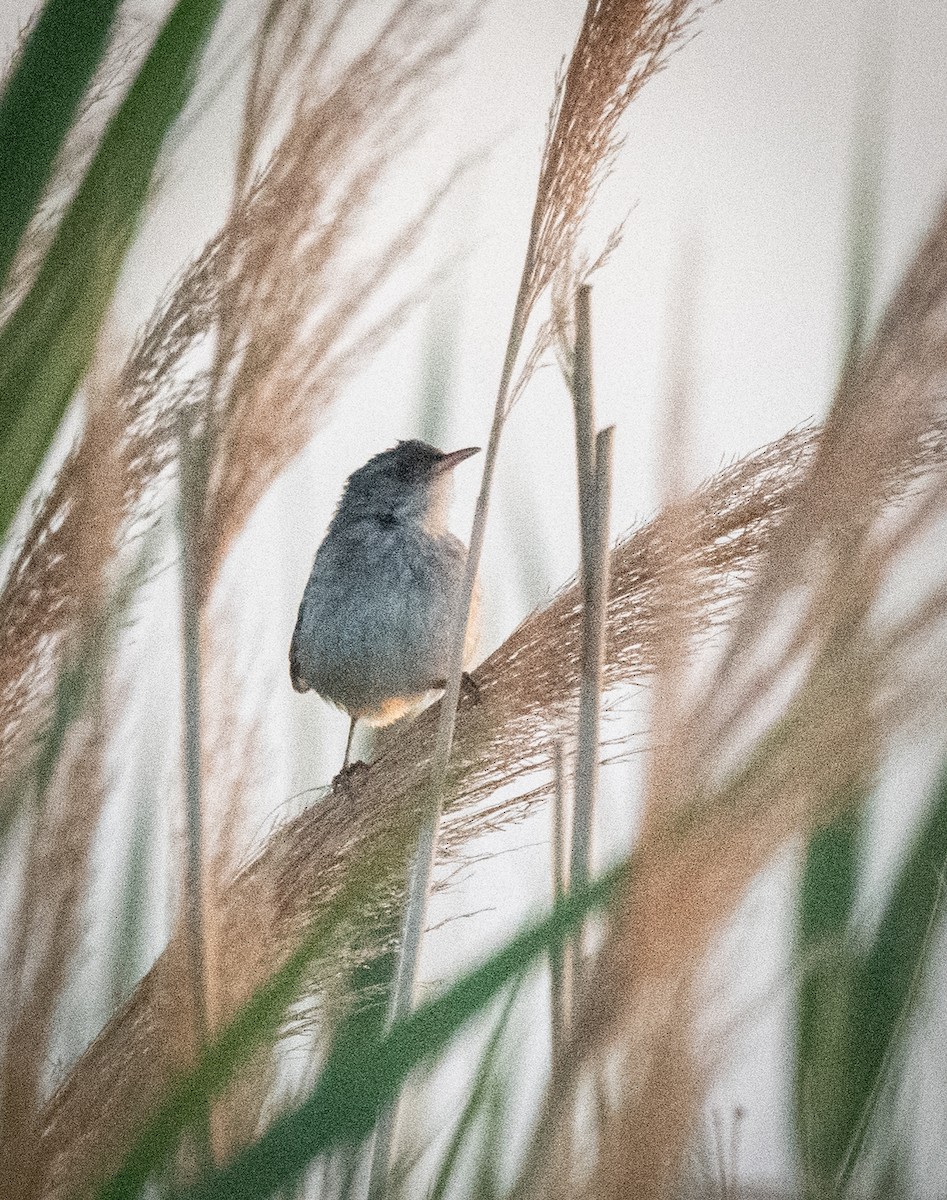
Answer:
(449, 461)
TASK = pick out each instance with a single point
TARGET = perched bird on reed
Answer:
(377, 617)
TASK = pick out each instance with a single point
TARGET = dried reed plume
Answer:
(824, 690)
(621, 45)
(528, 687)
(886, 398)
(55, 841)
(659, 1070)
(298, 297)
(295, 337)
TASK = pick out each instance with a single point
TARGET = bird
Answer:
(377, 618)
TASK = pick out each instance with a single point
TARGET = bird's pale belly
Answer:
(380, 669)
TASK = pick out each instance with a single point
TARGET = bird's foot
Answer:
(470, 688)
(347, 775)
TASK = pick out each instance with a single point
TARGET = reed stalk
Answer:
(618, 49)
(560, 967)
(419, 881)
(558, 964)
(192, 460)
(594, 610)
(583, 408)
(593, 463)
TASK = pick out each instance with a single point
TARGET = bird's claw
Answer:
(470, 688)
(343, 780)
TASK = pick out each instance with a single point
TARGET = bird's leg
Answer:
(349, 770)
(469, 687)
(348, 744)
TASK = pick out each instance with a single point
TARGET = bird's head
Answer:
(410, 482)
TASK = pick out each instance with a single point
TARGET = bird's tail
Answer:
(295, 668)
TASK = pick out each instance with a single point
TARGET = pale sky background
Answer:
(744, 145)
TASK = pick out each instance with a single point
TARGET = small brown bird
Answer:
(377, 617)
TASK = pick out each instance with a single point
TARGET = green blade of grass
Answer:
(861, 230)
(255, 1025)
(887, 977)
(823, 1029)
(47, 344)
(488, 1184)
(853, 1007)
(39, 105)
(361, 1076)
(476, 1101)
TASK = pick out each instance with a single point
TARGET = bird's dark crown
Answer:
(395, 481)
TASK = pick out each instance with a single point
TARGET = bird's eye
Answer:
(387, 520)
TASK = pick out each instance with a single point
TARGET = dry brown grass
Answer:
(299, 295)
(621, 45)
(777, 738)
(294, 292)
(55, 836)
(886, 399)
(659, 1071)
(528, 689)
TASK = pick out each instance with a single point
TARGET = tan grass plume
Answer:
(528, 686)
(295, 337)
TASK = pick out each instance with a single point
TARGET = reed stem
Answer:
(558, 963)
(191, 461)
(594, 463)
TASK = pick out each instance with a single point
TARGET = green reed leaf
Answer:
(39, 105)
(48, 343)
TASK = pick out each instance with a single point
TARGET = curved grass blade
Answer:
(360, 1078)
(887, 977)
(46, 346)
(828, 892)
(853, 1008)
(476, 1101)
(39, 105)
(360, 1075)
